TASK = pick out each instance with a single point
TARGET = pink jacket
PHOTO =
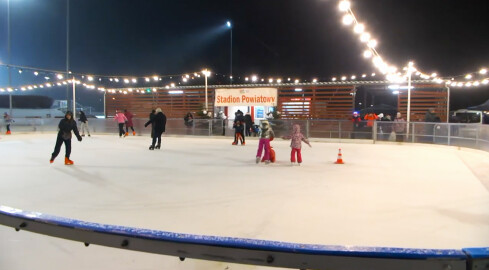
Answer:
(120, 118)
(296, 137)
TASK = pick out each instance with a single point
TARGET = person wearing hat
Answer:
(357, 120)
(66, 126)
(267, 135)
(8, 120)
(159, 125)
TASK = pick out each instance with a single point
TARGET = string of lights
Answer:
(349, 19)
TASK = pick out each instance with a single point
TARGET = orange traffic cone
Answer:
(339, 160)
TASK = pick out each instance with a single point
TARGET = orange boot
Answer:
(68, 161)
(134, 133)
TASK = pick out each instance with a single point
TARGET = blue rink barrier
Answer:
(244, 251)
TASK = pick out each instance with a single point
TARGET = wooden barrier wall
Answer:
(421, 101)
(173, 105)
(311, 102)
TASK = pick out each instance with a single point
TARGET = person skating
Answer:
(238, 133)
(121, 119)
(159, 124)
(84, 124)
(296, 138)
(264, 144)
(8, 120)
(66, 125)
(129, 123)
(248, 122)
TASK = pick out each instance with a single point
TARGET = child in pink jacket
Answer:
(296, 143)
(121, 119)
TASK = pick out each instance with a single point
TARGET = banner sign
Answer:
(246, 97)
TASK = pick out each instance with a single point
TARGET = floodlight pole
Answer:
(74, 98)
(9, 57)
(448, 104)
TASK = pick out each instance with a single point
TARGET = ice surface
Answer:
(413, 196)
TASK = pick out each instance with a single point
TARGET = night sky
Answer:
(287, 38)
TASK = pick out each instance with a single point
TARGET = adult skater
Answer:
(66, 125)
(266, 135)
(121, 119)
(159, 124)
(84, 124)
(129, 123)
(8, 120)
(296, 144)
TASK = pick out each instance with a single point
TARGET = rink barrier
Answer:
(244, 251)
(450, 134)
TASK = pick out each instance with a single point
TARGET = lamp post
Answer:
(410, 70)
(230, 26)
(206, 74)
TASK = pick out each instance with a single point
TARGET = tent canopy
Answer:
(482, 107)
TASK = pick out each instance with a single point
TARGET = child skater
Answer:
(66, 125)
(238, 133)
(264, 144)
(296, 144)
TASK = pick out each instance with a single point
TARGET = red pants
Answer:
(292, 155)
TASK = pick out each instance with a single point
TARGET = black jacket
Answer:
(65, 127)
(248, 121)
(83, 117)
(158, 122)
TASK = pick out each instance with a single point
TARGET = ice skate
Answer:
(127, 134)
(243, 144)
(68, 161)
(83, 135)
(267, 162)
(89, 135)
(258, 160)
(158, 146)
(151, 148)
(8, 133)
(134, 133)
(234, 143)
(51, 160)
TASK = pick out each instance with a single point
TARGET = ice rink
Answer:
(389, 195)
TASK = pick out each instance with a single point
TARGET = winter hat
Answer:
(381, 115)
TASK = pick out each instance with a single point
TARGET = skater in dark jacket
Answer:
(159, 124)
(66, 125)
(84, 124)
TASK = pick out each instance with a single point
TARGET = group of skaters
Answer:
(157, 120)
(68, 125)
(395, 130)
(244, 125)
(124, 119)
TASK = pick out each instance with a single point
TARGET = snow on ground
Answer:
(391, 195)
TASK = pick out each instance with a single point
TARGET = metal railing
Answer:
(453, 134)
